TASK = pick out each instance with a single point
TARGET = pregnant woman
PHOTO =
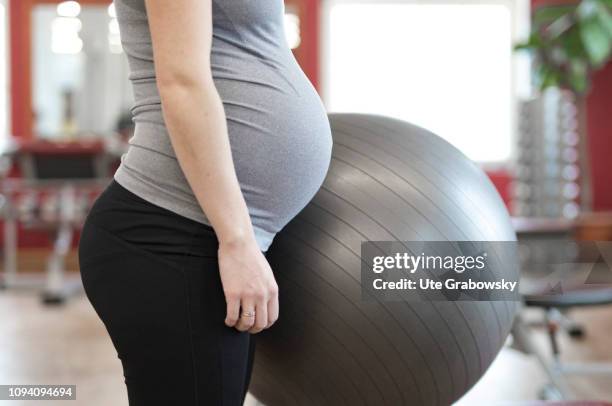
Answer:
(231, 141)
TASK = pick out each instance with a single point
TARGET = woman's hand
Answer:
(250, 289)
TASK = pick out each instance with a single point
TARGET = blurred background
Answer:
(523, 87)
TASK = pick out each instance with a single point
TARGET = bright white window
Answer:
(444, 65)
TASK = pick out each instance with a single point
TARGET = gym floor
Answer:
(68, 345)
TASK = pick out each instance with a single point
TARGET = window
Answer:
(447, 66)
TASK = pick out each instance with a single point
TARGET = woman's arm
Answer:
(181, 32)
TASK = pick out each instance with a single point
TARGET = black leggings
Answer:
(152, 277)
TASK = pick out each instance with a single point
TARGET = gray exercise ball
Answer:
(388, 180)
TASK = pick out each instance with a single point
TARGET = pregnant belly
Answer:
(281, 142)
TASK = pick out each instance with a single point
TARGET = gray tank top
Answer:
(278, 128)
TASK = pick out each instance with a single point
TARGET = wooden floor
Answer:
(68, 345)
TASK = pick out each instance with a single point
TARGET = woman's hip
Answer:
(165, 316)
(130, 248)
(142, 224)
(131, 252)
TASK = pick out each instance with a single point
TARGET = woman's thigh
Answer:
(164, 313)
